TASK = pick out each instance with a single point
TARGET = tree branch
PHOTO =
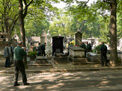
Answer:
(26, 7)
(13, 25)
(109, 1)
(25, 2)
(16, 17)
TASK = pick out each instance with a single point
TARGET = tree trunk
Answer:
(113, 34)
(2, 23)
(22, 29)
(21, 19)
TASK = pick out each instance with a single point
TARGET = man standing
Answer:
(7, 55)
(88, 47)
(39, 51)
(19, 54)
(12, 53)
(43, 49)
(84, 47)
(103, 50)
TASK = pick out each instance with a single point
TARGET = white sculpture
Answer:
(49, 44)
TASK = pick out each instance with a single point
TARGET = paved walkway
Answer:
(66, 81)
(65, 67)
(64, 77)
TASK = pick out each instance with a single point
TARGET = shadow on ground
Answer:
(79, 81)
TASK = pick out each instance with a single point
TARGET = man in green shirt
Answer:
(19, 54)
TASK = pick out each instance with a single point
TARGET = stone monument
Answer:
(76, 53)
(43, 37)
(78, 38)
(49, 44)
(57, 44)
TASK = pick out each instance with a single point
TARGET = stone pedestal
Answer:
(76, 52)
(76, 55)
(43, 60)
(78, 61)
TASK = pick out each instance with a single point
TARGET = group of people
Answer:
(8, 54)
(87, 47)
(18, 53)
(103, 51)
(41, 49)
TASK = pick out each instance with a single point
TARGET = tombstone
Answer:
(76, 53)
(78, 38)
(43, 37)
(57, 44)
(48, 44)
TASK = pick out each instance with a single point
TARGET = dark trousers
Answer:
(39, 52)
(19, 66)
(104, 60)
(12, 59)
(7, 62)
(43, 53)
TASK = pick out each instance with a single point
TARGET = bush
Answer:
(97, 49)
(32, 54)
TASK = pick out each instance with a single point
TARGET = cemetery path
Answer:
(64, 77)
(58, 67)
(68, 81)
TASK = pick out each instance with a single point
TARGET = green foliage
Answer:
(32, 54)
(97, 49)
(39, 14)
(35, 26)
(8, 14)
(61, 25)
(67, 22)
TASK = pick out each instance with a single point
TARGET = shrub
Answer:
(97, 48)
(32, 54)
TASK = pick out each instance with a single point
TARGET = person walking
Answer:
(103, 50)
(7, 55)
(19, 54)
